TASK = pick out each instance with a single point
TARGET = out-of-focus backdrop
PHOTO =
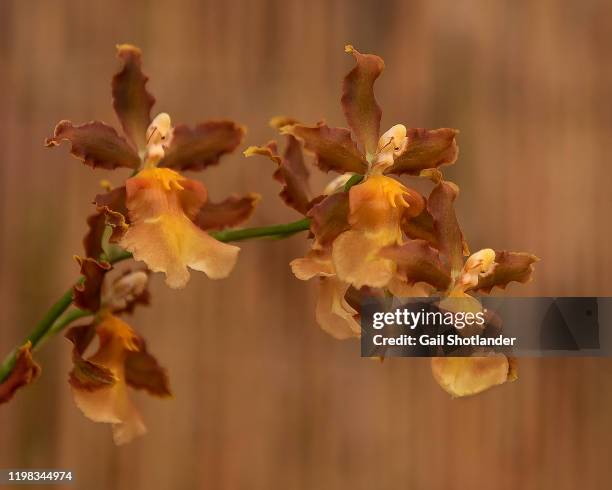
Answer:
(263, 398)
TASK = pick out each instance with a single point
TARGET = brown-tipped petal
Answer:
(111, 210)
(333, 313)
(99, 382)
(446, 227)
(358, 102)
(86, 375)
(113, 200)
(418, 262)
(357, 261)
(270, 150)
(131, 100)
(329, 217)
(96, 144)
(198, 148)
(509, 266)
(228, 213)
(86, 294)
(162, 234)
(316, 263)
(291, 172)
(143, 372)
(465, 376)
(112, 205)
(279, 122)
(426, 148)
(92, 241)
(333, 147)
(118, 224)
(127, 291)
(420, 227)
(24, 372)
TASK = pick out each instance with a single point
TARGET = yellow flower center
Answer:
(377, 205)
(169, 179)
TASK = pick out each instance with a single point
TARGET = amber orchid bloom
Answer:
(100, 381)
(351, 229)
(382, 237)
(441, 251)
(160, 216)
(377, 206)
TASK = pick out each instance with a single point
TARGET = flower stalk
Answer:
(52, 323)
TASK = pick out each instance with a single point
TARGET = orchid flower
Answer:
(160, 216)
(373, 234)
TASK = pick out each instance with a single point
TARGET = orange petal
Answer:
(131, 99)
(316, 263)
(357, 262)
(161, 233)
(106, 399)
(333, 313)
(358, 102)
(465, 376)
(173, 243)
(378, 205)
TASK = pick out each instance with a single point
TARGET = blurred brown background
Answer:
(264, 399)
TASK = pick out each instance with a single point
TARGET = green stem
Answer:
(50, 324)
(275, 231)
